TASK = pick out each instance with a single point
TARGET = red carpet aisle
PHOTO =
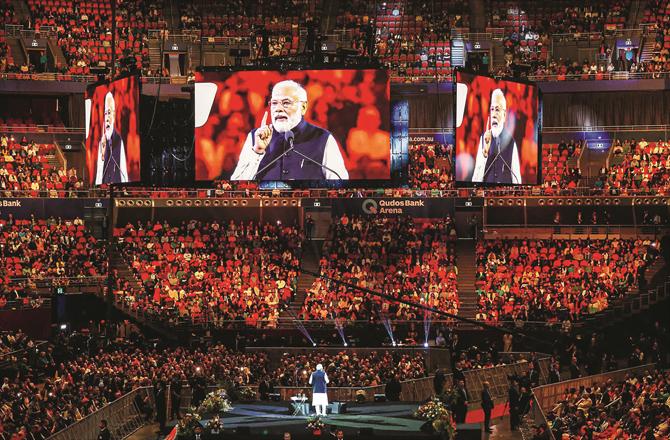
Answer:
(477, 415)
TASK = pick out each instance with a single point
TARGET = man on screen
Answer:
(111, 166)
(497, 154)
(266, 152)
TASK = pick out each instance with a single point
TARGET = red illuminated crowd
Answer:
(27, 166)
(430, 166)
(55, 250)
(551, 280)
(639, 166)
(391, 255)
(209, 272)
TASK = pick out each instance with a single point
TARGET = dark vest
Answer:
(319, 381)
(310, 140)
(112, 170)
(499, 171)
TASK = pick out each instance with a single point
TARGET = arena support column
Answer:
(109, 295)
(114, 43)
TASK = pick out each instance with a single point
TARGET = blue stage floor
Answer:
(271, 420)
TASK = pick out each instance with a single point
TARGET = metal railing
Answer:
(604, 76)
(581, 36)
(5, 357)
(123, 418)
(39, 128)
(398, 192)
(395, 78)
(34, 302)
(48, 77)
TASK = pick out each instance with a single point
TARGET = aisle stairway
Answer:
(310, 261)
(16, 48)
(125, 272)
(466, 257)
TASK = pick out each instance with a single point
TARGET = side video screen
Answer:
(498, 128)
(112, 132)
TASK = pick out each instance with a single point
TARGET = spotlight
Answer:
(425, 344)
(313, 344)
(394, 343)
(346, 345)
(63, 326)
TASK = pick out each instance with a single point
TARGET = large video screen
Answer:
(498, 126)
(308, 125)
(112, 132)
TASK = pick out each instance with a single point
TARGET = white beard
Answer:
(108, 133)
(288, 124)
(496, 131)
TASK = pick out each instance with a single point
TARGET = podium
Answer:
(299, 406)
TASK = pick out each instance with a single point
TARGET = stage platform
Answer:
(391, 420)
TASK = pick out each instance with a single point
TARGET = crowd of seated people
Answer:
(657, 17)
(83, 31)
(632, 408)
(396, 256)
(557, 176)
(560, 17)
(637, 166)
(273, 26)
(24, 166)
(350, 369)
(51, 249)
(50, 396)
(13, 341)
(430, 166)
(551, 280)
(209, 272)
(411, 38)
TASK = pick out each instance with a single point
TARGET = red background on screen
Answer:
(522, 121)
(335, 100)
(127, 99)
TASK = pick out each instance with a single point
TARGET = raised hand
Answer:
(263, 135)
(102, 146)
(487, 138)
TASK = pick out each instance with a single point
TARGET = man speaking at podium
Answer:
(287, 147)
(497, 155)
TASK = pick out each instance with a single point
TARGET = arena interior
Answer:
(349, 219)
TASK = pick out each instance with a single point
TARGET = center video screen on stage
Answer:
(112, 131)
(305, 125)
(498, 131)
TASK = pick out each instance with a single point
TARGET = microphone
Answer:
(498, 155)
(289, 138)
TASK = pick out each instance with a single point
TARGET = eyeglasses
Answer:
(285, 103)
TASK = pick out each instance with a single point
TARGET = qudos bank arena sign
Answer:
(426, 208)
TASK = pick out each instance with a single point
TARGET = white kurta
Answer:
(320, 398)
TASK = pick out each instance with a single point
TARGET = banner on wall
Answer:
(443, 138)
(22, 208)
(413, 207)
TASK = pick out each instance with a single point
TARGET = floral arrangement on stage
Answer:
(437, 413)
(214, 425)
(216, 402)
(315, 425)
(188, 424)
(247, 393)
